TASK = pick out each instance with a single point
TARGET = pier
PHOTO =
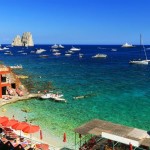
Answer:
(18, 98)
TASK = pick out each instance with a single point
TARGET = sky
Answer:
(76, 21)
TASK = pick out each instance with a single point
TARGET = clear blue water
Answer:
(115, 90)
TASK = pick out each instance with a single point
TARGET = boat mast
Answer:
(143, 46)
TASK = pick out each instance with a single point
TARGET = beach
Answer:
(54, 142)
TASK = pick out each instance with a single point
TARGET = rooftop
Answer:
(115, 132)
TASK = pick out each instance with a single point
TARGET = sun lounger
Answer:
(42, 146)
(10, 91)
(19, 92)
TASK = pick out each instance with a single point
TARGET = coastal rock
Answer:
(25, 40)
(17, 41)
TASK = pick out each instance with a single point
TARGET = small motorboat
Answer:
(16, 67)
(59, 99)
(39, 51)
(126, 45)
(57, 54)
(100, 56)
(55, 46)
(60, 46)
(67, 54)
(55, 97)
(80, 55)
(43, 56)
(46, 96)
(75, 49)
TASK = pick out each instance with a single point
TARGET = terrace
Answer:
(98, 134)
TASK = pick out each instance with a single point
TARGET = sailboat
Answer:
(139, 61)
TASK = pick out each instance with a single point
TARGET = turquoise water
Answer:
(115, 90)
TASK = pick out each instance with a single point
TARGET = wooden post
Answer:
(75, 141)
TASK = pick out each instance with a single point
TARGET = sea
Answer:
(108, 88)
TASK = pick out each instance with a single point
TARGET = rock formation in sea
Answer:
(25, 40)
(17, 41)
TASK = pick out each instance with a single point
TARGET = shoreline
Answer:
(54, 142)
(20, 93)
(18, 98)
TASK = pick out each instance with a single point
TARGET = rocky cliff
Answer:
(25, 40)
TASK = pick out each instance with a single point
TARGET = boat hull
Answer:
(139, 62)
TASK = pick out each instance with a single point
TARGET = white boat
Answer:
(60, 46)
(16, 67)
(55, 46)
(113, 49)
(100, 56)
(67, 54)
(20, 51)
(24, 53)
(140, 61)
(57, 54)
(32, 52)
(3, 48)
(70, 52)
(80, 55)
(46, 96)
(126, 45)
(8, 53)
(43, 56)
(39, 51)
(55, 50)
(56, 97)
(75, 49)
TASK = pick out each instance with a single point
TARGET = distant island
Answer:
(25, 40)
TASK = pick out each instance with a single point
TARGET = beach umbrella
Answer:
(41, 135)
(31, 129)
(9, 123)
(20, 125)
(3, 119)
(130, 146)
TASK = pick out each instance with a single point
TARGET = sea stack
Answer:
(25, 40)
(17, 41)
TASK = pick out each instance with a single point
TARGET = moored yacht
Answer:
(126, 45)
(75, 49)
(60, 46)
(100, 56)
(55, 46)
(139, 62)
(55, 97)
(57, 54)
(39, 51)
